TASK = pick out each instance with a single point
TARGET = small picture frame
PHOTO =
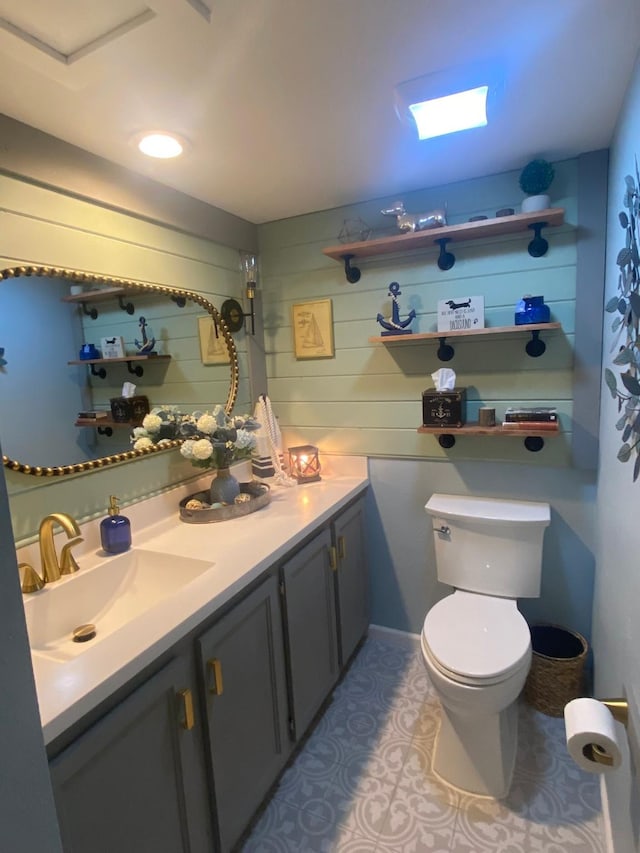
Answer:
(461, 314)
(312, 324)
(213, 347)
(112, 347)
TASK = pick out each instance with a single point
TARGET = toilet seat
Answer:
(476, 639)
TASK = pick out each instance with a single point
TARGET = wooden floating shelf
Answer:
(465, 231)
(476, 429)
(127, 359)
(464, 333)
(533, 439)
(428, 238)
(103, 422)
(124, 359)
(534, 348)
(98, 295)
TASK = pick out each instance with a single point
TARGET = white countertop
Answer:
(239, 550)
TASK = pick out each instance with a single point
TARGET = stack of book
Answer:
(535, 418)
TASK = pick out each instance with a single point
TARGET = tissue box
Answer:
(139, 408)
(121, 410)
(444, 408)
(132, 410)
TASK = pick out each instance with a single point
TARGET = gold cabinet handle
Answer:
(342, 548)
(333, 559)
(215, 670)
(188, 717)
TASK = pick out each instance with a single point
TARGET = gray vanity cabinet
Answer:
(136, 780)
(183, 762)
(352, 578)
(310, 623)
(243, 673)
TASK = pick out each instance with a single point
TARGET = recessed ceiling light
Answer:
(160, 145)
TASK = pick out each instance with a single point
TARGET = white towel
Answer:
(267, 458)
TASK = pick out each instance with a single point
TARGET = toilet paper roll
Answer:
(592, 734)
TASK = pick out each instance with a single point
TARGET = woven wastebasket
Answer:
(557, 668)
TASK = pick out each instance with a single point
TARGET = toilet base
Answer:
(477, 753)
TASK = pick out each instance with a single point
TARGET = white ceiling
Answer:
(288, 104)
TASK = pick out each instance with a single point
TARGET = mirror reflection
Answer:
(86, 355)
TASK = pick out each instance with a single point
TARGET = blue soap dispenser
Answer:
(115, 529)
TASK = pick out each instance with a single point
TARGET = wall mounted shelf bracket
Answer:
(538, 246)
(98, 371)
(352, 274)
(533, 443)
(105, 431)
(137, 370)
(445, 351)
(90, 312)
(534, 348)
(126, 306)
(446, 260)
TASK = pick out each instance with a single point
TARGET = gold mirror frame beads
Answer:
(79, 277)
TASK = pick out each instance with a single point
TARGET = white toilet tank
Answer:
(489, 545)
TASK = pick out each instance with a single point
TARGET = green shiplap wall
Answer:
(367, 399)
(40, 226)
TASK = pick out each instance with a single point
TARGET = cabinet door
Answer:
(242, 663)
(352, 579)
(135, 780)
(311, 628)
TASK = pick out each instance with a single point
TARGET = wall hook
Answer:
(352, 274)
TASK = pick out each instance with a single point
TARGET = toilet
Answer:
(476, 644)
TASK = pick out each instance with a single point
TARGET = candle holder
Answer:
(304, 464)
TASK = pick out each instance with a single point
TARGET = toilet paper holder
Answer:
(619, 709)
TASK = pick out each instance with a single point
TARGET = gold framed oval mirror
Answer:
(25, 324)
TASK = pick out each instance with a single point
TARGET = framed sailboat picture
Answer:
(213, 349)
(312, 324)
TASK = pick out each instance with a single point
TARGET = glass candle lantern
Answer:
(304, 464)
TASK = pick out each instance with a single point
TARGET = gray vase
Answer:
(224, 487)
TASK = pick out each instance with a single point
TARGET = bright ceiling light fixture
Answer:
(161, 145)
(459, 111)
(448, 101)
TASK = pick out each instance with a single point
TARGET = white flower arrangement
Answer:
(209, 439)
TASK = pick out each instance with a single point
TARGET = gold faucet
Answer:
(50, 565)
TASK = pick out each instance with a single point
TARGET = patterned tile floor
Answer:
(363, 782)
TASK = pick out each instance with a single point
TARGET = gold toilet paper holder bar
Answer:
(619, 709)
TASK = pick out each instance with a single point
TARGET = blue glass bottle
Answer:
(115, 530)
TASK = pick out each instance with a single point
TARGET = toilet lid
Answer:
(476, 638)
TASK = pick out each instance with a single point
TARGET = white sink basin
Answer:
(110, 596)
